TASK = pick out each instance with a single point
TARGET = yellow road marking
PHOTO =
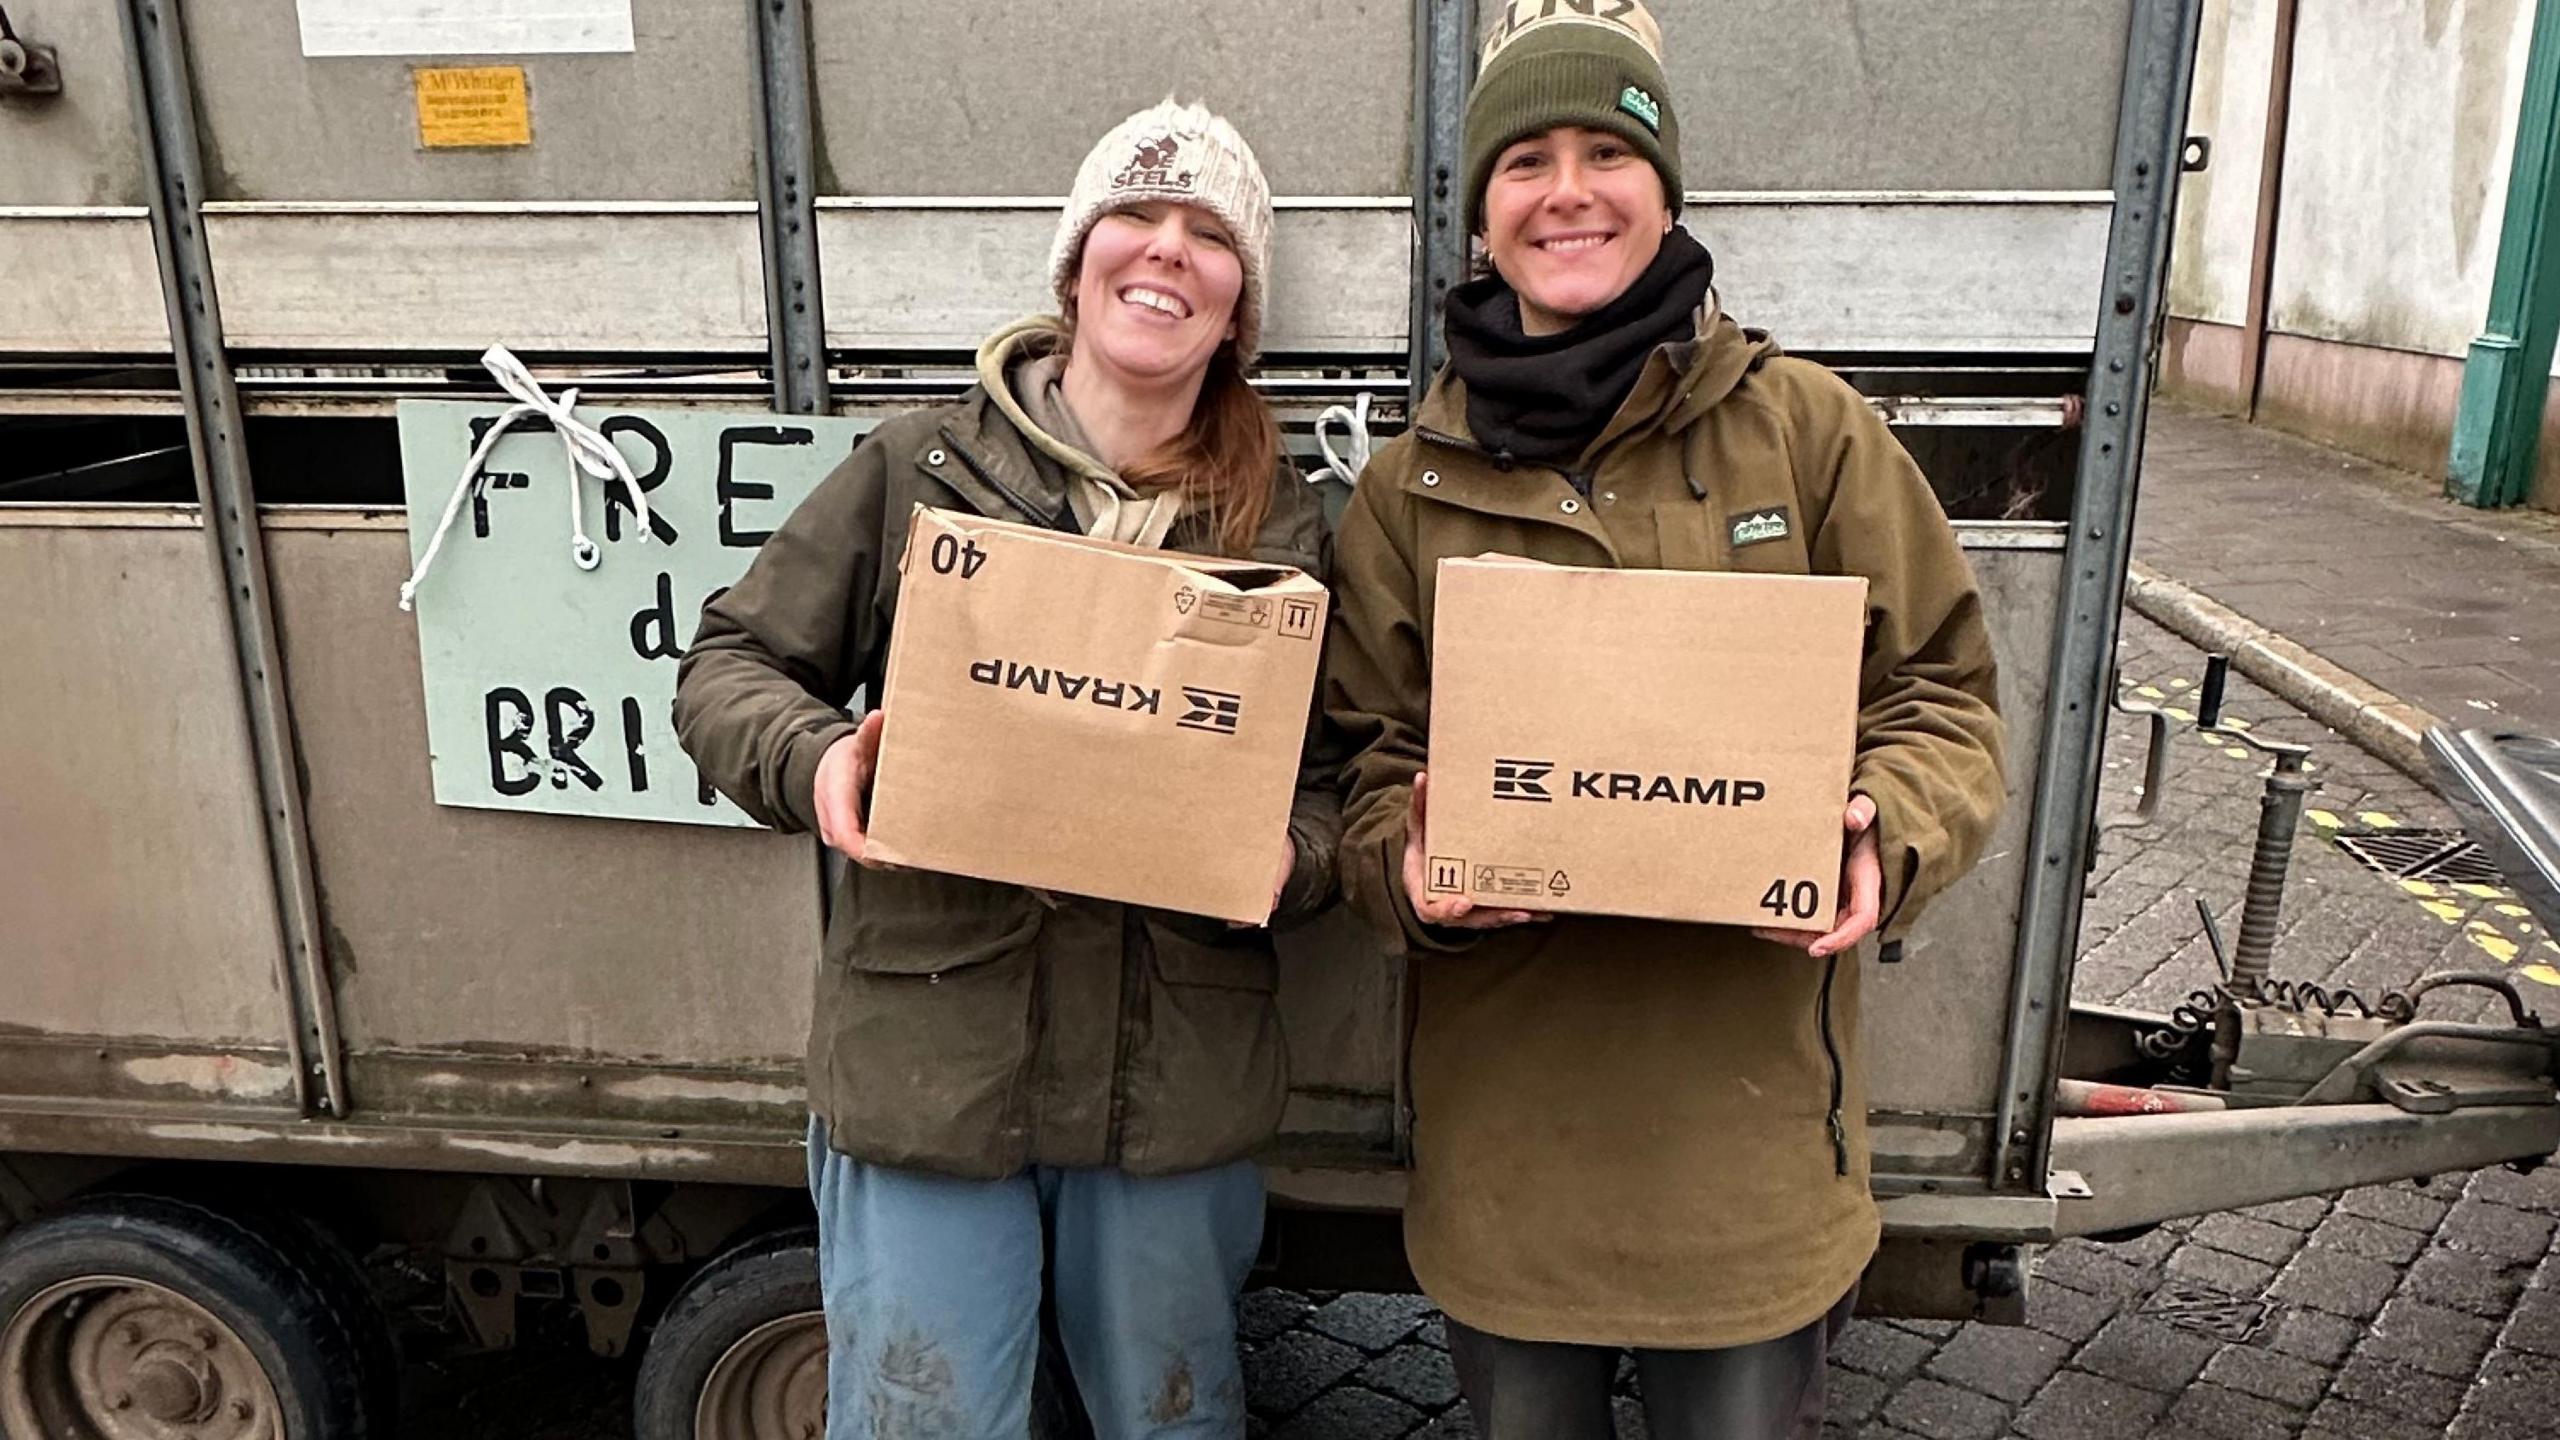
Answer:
(2542, 973)
(2444, 910)
(2235, 752)
(2234, 722)
(2377, 819)
(2174, 713)
(2513, 912)
(2418, 887)
(2478, 892)
(2325, 820)
(2177, 684)
(2149, 692)
(2500, 948)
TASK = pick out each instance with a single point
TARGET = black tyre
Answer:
(741, 1352)
(149, 1317)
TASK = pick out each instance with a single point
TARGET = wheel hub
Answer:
(175, 1384)
(111, 1357)
(771, 1385)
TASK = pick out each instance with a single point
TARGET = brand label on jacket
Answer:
(1760, 525)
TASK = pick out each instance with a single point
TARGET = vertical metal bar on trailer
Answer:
(2150, 119)
(1443, 62)
(164, 102)
(787, 207)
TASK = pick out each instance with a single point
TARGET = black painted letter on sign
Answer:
(731, 489)
(509, 716)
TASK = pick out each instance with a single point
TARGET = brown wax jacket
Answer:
(1625, 1131)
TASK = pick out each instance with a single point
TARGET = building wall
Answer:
(2218, 205)
(2398, 140)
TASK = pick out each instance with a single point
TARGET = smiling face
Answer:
(1156, 290)
(1571, 218)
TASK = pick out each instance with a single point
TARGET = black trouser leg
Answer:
(1529, 1390)
(1768, 1391)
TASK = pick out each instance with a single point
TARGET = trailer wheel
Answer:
(741, 1353)
(146, 1317)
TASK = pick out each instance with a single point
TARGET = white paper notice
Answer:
(465, 27)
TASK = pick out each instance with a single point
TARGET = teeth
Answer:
(1578, 242)
(1156, 300)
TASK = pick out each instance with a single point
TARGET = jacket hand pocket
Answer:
(1245, 962)
(923, 922)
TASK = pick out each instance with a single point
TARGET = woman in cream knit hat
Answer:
(1020, 1097)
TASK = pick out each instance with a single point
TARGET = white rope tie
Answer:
(1355, 422)
(589, 452)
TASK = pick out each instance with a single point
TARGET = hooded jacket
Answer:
(964, 1026)
(1631, 1132)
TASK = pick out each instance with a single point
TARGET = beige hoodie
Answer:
(1022, 366)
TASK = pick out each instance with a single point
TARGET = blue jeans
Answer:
(933, 1284)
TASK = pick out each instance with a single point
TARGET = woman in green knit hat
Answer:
(1634, 1134)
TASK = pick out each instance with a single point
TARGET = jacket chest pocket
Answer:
(1751, 539)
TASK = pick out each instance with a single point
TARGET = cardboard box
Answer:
(1093, 718)
(1664, 743)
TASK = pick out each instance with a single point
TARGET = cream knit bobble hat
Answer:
(1181, 153)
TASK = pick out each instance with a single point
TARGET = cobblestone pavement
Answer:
(2402, 1310)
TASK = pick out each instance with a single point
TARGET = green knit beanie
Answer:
(1547, 63)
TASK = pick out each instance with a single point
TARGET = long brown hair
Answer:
(1224, 461)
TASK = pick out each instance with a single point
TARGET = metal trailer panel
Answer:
(1945, 95)
(919, 99)
(670, 121)
(130, 813)
(1920, 273)
(1833, 273)
(81, 280)
(1935, 1023)
(904, 277)
(79, 147)
(495, 933)
(2160, 64)
(455, 279)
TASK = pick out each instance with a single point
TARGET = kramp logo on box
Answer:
(1217, 711)
(1523, 780)
(1528, 780)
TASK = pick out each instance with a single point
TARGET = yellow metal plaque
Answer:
(472, 107)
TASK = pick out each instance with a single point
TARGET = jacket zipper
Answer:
(1025, 508)
(1580, 482)
(1831, 1052)
(1132, 933)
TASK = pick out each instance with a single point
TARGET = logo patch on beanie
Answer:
(1152, 167)
(1637, 102)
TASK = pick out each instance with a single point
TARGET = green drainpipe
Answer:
(2508, 372)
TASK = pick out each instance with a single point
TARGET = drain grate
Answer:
(2210, 1312)
(2446, 855)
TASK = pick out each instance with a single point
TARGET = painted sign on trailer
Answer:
(550, 687)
